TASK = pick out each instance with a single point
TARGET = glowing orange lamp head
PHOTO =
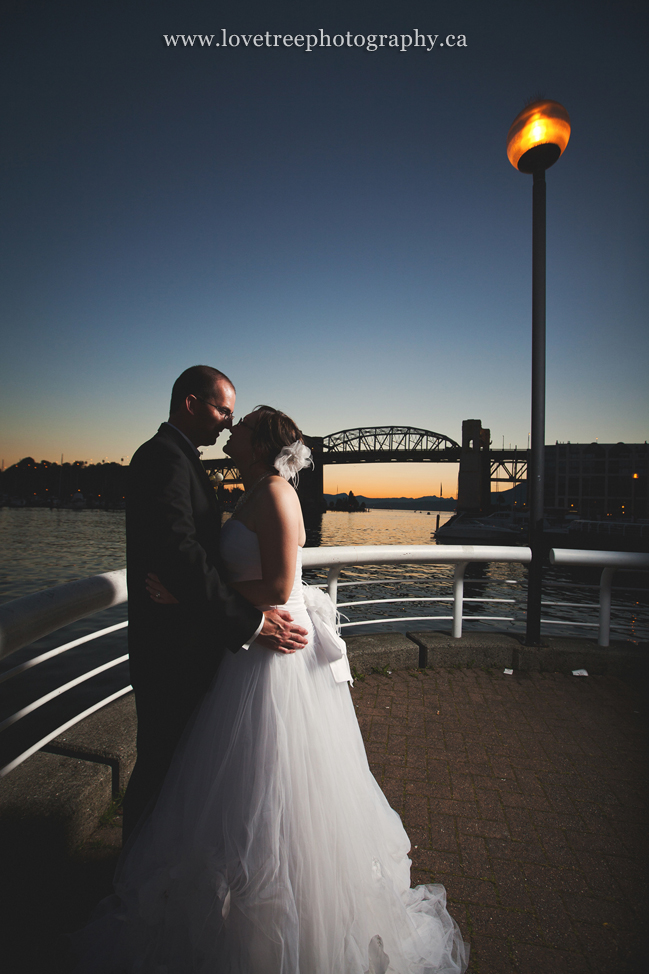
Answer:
(538, 136)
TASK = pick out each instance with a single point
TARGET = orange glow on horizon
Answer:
(370, 480)
(391, 479)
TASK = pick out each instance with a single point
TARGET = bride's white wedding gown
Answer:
(271, 849)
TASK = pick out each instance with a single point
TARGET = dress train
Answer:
(272, 849)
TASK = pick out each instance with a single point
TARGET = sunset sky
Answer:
(338, 230)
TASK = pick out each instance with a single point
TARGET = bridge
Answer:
(479, 464)
(382, 444)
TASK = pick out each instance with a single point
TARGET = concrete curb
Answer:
(58, 795)
(106, 737)
(51, 803)
(378, 650)
(439, 649)
(563, 655)
(558, 654)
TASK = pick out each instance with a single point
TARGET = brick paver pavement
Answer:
(525, 796)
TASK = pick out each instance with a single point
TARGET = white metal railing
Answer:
(609, 562)
(24, 620)
(335, 559)
(61, 730)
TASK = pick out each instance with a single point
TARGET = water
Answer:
(485, 584)
(41, 548)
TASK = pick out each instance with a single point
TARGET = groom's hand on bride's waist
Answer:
(280, 633)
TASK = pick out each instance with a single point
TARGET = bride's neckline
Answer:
(245, 497)
(235, 520)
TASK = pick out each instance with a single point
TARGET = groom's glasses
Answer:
(221, 410)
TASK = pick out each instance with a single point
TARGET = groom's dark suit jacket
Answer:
(172, 530)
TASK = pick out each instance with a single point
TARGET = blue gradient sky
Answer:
(339, 231)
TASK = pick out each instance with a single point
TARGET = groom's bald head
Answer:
(198, 380)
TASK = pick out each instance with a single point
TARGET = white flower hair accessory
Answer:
(291, 459)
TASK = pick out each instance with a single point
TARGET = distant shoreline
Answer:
(426, 503)
(371, 503)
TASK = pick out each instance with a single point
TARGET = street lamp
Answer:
(537, 137)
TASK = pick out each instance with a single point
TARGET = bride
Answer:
(271, 849)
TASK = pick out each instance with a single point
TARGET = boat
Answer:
(499, 528)
(567, 531)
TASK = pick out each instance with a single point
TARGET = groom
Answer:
(172, 531)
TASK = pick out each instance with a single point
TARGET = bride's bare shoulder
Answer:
(277, 507)
(279, 491)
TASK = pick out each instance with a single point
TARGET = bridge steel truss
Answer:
(394, 443)
(387, 443)
(227, 469)
(508, 466)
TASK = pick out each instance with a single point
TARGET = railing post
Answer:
(332, 584)
(458, 597)
(605, 585)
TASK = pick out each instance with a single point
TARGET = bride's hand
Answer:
(280, 633)
(158, 592)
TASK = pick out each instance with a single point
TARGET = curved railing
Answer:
(335, 559)
(24, 620)
(609, 562)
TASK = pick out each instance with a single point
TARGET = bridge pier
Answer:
(310, 488)
(474, 481)
(311, 483)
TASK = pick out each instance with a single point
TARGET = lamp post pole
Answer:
(536, 139)
(536, 458)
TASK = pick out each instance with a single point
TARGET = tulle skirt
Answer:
(272, 849)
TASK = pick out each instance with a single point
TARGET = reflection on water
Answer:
(41, 548)
(381, 527)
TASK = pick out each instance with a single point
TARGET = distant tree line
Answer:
(77, 484)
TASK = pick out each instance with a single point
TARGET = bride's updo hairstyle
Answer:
(279, 442)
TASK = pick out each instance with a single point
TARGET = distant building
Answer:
(594, 480)
(598, 479)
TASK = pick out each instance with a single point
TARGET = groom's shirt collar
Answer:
(195, 449)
